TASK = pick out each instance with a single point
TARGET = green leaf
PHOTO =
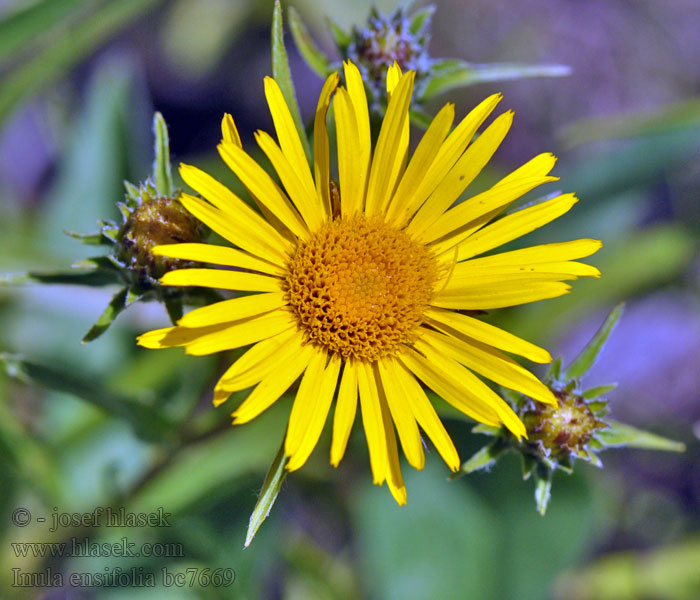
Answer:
(421, 19)
(554, 371)
(22, 26)
(89, 277)
(268, 494)
(56, 58)
(117, 305)
(341, 37)
(621, 435)
(483, 459)
(174, 308)
(162, 174)
(453, 73)
(589, 355)
(311, 53)
(543, 489)
(146, 422)
(598, 391)
(283, 76)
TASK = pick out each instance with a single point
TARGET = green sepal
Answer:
(147, 422)
(124, 210)
(132, 194)
(110, 230)
(449, 74)
(341, 37)
(589, 355)
(483, 459)
(271, 487)
(622, 435)
(162, 174)
(598, 391)
(543, 488)
(283, 76)
(174, 307)
(593, 458)
(554, 371)
(95, 238)
(486, 429)
(116, 305)
(421, 20)
(529, 463)
(310, 52)
(96, 262)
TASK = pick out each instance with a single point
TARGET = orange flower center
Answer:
(359, 287)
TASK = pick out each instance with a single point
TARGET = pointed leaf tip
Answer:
(268, 494)
(309, 51)
(589, 355)
(162, 174)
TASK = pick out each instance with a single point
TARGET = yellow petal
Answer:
(514, 226)
(287, 133)
(273, 385)
(233, 216)
(303, 196)
(372, 421)
(257, 363)
(393, 76)
(240, 333)
(306, 426)
(358, 99)
(460, 222)
(420, 162)
(545, 253)
(462, 280)
(452, 322)
(441, 377)
(233, 309)
(448, 154)
(394, 478)
(499, 295)
(229, 131)
(470, 164)
(263, 188)
(427, 417)
(322, 160)
(490, 363)
(222, 279)
(565, 269)
(539, 166)
(345, 410)
(473, 388)
(218, 255)
(401, 413)
(352, 175)
(392, 145)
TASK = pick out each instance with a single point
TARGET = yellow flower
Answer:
(358, 291)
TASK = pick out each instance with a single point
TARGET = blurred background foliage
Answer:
(110, 424)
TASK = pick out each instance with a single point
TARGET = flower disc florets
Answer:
(359, 287)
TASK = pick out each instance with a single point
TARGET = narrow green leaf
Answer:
(589, 355)
(89, 277)
(174, 308)
(341, 37)
(543, 489)
(598, 391)
(97, 262)
(23, 26)
(621, 435)
(268, 494)
(94, 239)
(162, 174)
(421, 19)
(146, 422)
(55, 59)
(117, 305)
(450, 74)
(311, 53)
(483, 459)
(283, 76)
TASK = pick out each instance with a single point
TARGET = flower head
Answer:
(364, 303)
